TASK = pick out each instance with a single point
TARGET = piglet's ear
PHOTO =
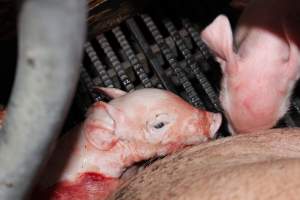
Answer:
(218, 37)
(110, 92)
(100, 125)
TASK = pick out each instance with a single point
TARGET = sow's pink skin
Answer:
(260, 63)
(132, 127)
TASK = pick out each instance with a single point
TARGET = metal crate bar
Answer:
(126, 82)
(196, 38)
(194, 66)
(159, 71)
(88, 83)
(171, 59)
(134, 61)
(97, 64)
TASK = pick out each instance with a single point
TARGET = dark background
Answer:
(200, 12)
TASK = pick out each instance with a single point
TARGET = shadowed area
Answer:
(287, 13)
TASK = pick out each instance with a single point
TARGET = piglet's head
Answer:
(258, 77)
(148, 122)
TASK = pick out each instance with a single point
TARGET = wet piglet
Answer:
(260, 62)
(88, 162)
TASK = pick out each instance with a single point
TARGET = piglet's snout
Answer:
(208, 123)
(215, 123)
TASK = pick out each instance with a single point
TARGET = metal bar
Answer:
(99, 67)
(88, 83)
(137, 66)
(51, 37)
(165, 81)
(115, 62)
(194, 66)
(187, 85)
(204, 50)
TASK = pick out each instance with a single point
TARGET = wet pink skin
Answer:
(88, 186)
(130, 128)
(260, 62)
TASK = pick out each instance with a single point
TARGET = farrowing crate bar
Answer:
(143, 52)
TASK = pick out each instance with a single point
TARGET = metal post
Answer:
(51, 37)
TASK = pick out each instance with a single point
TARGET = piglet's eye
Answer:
(159, 125)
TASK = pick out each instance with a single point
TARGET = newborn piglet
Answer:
(146, 123)
(260, 62)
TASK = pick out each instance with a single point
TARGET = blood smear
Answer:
(88, 186)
